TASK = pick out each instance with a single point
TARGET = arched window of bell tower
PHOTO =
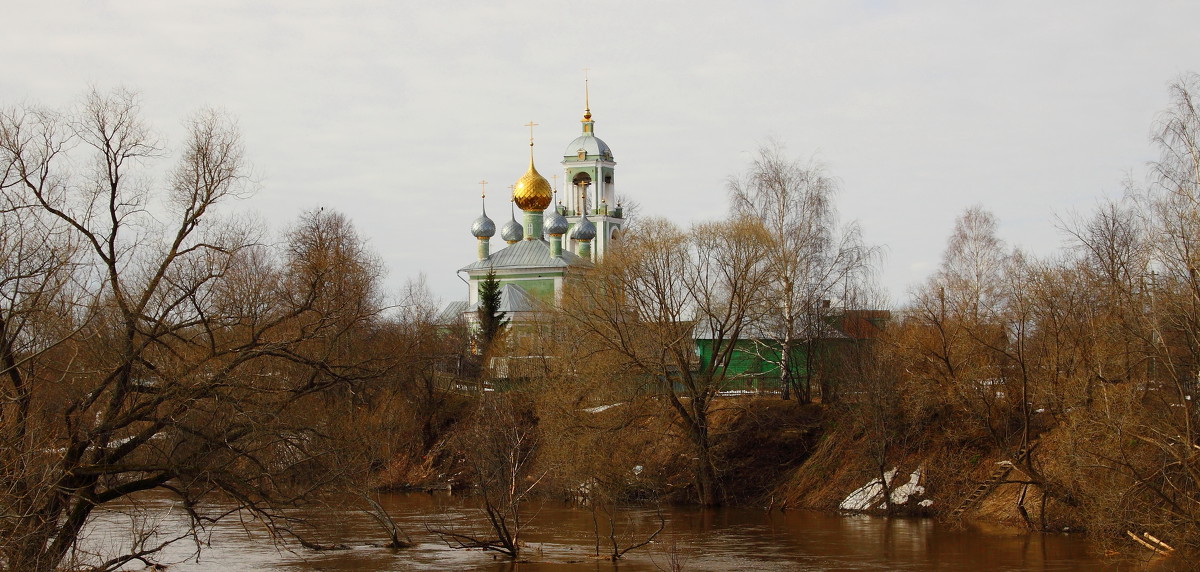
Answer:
(581, 181)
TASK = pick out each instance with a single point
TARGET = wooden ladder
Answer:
(993, 479)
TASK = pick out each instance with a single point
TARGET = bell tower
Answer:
(591, 187)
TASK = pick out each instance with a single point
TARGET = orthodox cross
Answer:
(482, 189)
(531, 125)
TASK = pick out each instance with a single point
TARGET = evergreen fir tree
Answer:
(492, 320)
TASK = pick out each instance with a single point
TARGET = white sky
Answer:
(392, 111)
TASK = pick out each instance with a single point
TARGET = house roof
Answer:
(755, 331)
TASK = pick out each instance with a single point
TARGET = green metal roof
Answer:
(513, 300)
(526, 254)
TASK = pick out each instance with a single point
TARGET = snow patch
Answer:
(600, 408)
(866, 495)
(901, 494)
(871, 494)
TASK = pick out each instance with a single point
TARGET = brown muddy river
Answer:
(560, 537)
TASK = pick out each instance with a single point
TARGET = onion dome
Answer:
(532, 191)
(483, 227)
(556, 224)
(584, 230)
(512, 231)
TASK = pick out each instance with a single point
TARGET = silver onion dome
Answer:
(483, 227)
(556, 223)
(512, 231)
(585, 230)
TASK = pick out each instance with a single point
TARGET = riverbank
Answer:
(773, 454)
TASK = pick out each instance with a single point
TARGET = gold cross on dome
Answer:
(482, 189)
(531, 125)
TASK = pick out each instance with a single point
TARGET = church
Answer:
(545, 247)
(555, 241)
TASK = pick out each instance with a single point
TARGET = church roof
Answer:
(453, 311)
(513, 299)
(527, 254)
(592, 146)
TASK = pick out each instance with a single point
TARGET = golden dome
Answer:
(532, 191)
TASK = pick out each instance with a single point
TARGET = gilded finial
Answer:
(482, 189)
(587, 106)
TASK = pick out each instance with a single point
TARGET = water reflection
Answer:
(563, 538)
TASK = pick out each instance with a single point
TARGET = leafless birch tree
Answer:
(814, 258)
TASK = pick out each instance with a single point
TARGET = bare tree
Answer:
(500, 445)
(1144, 438)
(600, 442)
(958, 334)
(153, 344)
(814, 258)
(653, 296)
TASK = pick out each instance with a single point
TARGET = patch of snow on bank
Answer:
(871, 494)
(867, 495)
(600, 408)
(901, 493)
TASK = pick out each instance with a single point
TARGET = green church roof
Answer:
(527, 254)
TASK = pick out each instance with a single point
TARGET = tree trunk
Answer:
(706, 478)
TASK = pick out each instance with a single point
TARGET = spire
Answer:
(587, 106)
(588, 124)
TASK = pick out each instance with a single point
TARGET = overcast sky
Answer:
(392, 111)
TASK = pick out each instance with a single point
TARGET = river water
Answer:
(560, 537)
